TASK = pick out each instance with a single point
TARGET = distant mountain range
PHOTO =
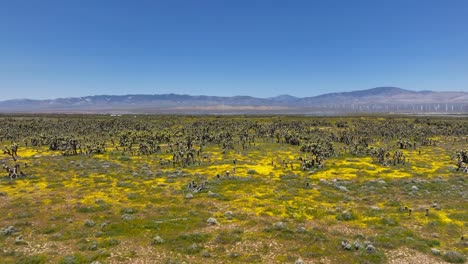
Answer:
(375, 100)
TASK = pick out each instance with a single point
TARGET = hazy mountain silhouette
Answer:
(380, 99)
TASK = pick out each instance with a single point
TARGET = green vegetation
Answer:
(182, 189)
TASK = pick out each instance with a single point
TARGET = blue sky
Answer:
(261, 48)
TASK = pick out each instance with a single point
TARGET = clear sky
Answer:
(260, 48)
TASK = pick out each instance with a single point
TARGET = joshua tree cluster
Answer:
(185, 139)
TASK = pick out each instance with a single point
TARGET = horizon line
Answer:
(270, 97)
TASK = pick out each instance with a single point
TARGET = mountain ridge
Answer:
(378, 99)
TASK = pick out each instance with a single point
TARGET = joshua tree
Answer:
(12, 151)
(13, 171)
(462, 160)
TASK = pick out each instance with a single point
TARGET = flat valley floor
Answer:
(233, 189)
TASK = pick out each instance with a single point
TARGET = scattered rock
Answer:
(279, 225)
(414, 188)
(381, 182)
(342, 188)
(206, 254)
(299, 261)
(229, 214)
(128, 211)
(435, 251)
(212, 194)
(346, 245)
(8, 231)
(57, 236)
(375, 208)
(370, 248)
(436, 206)
(93, 246)
(70, 259)
(19, 240)
(301, 229)
(189, 196)
(89, 223)
(345, 216)
(157, 240)
(453, 257)
(357, 244)
(194, 248)
(212, 221)
(127, 217)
